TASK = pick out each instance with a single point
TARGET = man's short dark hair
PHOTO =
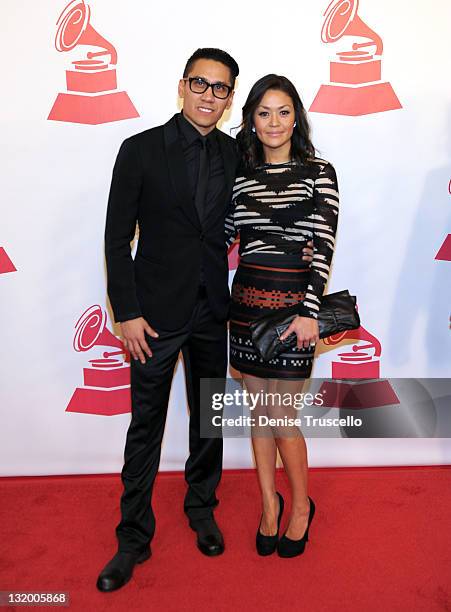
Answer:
(218, 55)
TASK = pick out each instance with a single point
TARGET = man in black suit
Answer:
(175, 181)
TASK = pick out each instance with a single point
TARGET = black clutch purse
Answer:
(337, 314)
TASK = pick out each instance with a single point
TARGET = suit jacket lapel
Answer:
(177, 171)
(230, 161)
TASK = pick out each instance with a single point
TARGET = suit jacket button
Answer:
(201, 236)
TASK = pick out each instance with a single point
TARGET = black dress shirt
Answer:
(191, 144)
(191, 141)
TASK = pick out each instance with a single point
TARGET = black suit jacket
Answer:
(150, 186)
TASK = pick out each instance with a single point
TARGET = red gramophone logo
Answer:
(92, 97)
(6, 265)
(233, 255)
(444, 253)
(356, 86)
(106, 381)
(361, 362)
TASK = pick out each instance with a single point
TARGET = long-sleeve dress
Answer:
(275, 210)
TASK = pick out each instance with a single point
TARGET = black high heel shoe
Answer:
(292, 548)
(266, 545)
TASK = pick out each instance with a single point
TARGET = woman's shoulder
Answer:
(322, 169)
(317, 165)
(320, 163)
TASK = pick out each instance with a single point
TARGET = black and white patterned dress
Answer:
(275, 210)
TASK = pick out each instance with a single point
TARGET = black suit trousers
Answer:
(203, 342)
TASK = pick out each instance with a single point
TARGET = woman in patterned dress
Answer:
(283, 197)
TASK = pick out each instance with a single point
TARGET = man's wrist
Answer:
(129, 317)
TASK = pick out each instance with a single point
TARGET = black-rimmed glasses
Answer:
(199, 85)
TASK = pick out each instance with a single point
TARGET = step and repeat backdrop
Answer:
(82, 76)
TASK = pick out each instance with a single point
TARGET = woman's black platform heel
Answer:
(266, 545)
(292, 548)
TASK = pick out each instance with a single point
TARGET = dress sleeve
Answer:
(231, 231)
(324, 218)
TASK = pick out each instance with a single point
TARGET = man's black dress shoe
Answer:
(119, 570)
(209, 537)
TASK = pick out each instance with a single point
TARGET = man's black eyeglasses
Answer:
(199, 85)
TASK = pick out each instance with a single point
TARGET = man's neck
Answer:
(202, 131)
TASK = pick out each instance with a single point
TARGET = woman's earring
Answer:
(294, 124)
(253, 128)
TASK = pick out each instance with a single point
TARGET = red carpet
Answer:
(380, 540)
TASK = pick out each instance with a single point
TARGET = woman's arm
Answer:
(230, 230)
(324, 217)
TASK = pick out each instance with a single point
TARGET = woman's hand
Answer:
(306, 330)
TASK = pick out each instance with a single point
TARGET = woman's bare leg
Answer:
(265, 453)
(293, 452)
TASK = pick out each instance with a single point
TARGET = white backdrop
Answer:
(393, 169)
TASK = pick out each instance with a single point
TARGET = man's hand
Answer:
(308, 252)
(132, 332)
(306, 330)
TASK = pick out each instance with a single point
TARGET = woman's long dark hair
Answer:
(302, 149)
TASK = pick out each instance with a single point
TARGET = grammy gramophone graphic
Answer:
(356, 86)
(6, 265)
(361, 362)
(92, 96)
(106, 381)
(444, 252)
(234, 256)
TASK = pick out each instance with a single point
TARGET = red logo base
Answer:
(444, 253)
(93, 110)
(6, 265)
(355, 101)
(106, 402)
(361, 394)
